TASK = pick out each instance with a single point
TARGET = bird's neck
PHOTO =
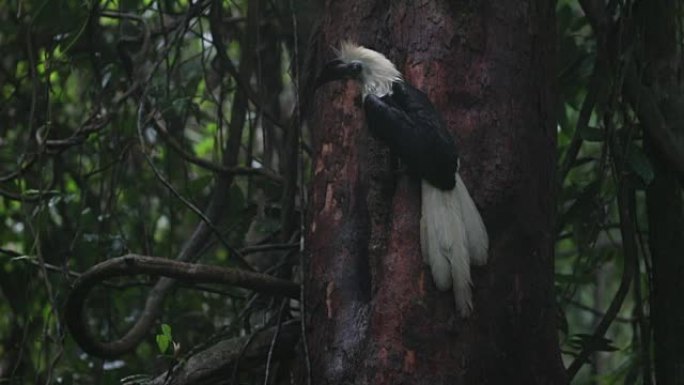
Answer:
(377, 86)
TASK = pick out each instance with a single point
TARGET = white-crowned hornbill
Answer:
(452, 233)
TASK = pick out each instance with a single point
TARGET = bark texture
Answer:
(664, 195)
(666, 227)
(375, 316)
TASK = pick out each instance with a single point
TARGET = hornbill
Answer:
(452, 234)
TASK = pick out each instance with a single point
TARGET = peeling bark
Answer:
(375, 316)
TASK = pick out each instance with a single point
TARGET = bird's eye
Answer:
(355, 68)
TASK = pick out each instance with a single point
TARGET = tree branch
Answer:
(641, 98)
(625, 206)
(160, 125)
(594, 90)
(24, 165)
(219, 199)
(133, 264)
(644, 103)
(217, 361)
(215, 23)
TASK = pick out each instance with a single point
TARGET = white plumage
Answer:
(452, 236)
(378, 72)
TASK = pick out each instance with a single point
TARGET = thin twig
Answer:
(21, 170)
(274, 340)
(271, 247)
(625, 197)
(594, 89)
(596, 312)
(160, 126)
(300, 175)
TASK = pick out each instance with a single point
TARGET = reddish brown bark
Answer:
(375, 315)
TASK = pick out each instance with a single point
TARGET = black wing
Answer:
(412, 128)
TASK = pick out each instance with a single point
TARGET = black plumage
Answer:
(409, 124)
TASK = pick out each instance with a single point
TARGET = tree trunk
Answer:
(374, 314)
(664, 196)
(666, 228)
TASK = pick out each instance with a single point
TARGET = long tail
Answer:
(452, 236)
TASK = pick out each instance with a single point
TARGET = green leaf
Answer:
(163, 342)
(204, 147)
(640, 164)
(164, 339)
(166, 330)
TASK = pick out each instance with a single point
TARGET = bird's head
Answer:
(339, 70)
(370, 68)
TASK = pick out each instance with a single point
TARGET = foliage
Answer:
(601, 140)
(116, 116)
(164, 339)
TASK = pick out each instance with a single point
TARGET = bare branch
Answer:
(20, 171)
(160, 125)
(237, 257)
(219, 199)
(217, 361)
(215, 22)
(640, 97)
(133, 264)
(594, 90)
(626, 206)
(269, 247)
(644, 103)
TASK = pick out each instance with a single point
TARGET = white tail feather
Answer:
(478, 240)
(437, 237)
(452, 235)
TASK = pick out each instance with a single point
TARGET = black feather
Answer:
(407, 121)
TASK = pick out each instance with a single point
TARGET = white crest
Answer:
(378, 72)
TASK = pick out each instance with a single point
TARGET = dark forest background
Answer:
(180, 129)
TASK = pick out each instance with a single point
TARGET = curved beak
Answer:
(336, 70)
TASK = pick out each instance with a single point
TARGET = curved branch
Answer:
(594, 89)
(27, 198)
(133, 264)
(92, 125)
(20, 171)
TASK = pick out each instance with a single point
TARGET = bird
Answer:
(453, 235)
